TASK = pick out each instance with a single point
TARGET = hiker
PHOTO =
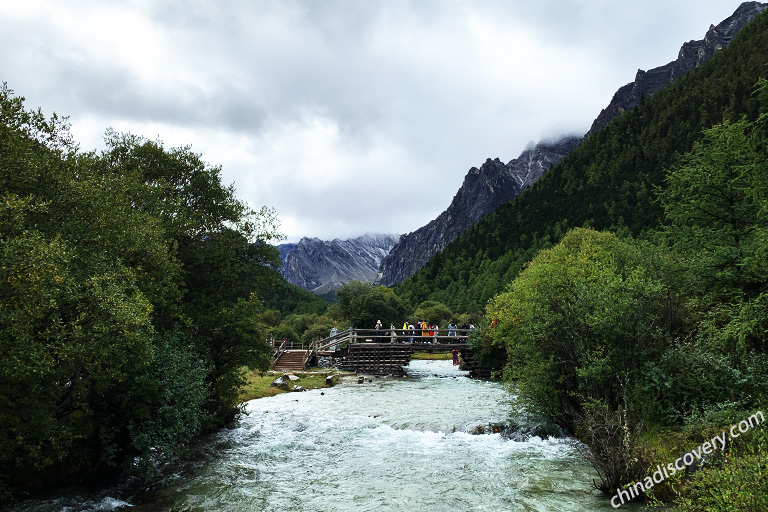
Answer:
(455, 357)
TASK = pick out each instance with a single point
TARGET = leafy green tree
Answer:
(581, 321)
(222, 248)
(362, 304)
(107, 260)
(74, 320)
(434, 313)
(285, 332)
(289, 299)
(580, 324)
(717, 202)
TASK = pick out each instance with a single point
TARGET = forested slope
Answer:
(608, 182)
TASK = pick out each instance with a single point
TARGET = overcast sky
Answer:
(345, 116)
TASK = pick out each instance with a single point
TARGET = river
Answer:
(384, 445)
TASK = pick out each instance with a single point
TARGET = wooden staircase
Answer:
(379, 358)
(290, 361)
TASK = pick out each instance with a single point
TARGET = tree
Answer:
(362, 304)
(581, 321)
(128, 300)
(74, 318)
(434, 313)
(222, 248)
(717, 204)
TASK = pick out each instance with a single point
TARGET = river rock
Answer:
(281, 382)
(292, 377)
(522, 433)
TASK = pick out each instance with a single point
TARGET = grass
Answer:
(259, 384)
(431, 356)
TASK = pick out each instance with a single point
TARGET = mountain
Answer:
(484, 189)
(608, 182)
(324, 266)
(691, 54)
(495, 183)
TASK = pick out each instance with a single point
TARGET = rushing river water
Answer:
(384, 445)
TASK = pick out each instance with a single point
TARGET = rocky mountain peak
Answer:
(691, 54)
(324, 266)
(494, 182)
(483, 189)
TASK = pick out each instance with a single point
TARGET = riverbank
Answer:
(431, 356)
(259, 384)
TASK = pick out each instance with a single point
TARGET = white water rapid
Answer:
(385, 445)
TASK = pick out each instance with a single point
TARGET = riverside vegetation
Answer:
(129, 302)
(631, 308)
(624, 294)
(137, 299)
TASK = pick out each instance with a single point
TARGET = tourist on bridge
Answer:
(378, 328)
(411, 332)
(452, 329)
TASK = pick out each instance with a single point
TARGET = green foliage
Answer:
(290, 299)
(582, 319)
(222, 250)
(362, 304)
(489, 351)
(693, 379)
(717, 202)
(736, 481)
(434, 313)
(107, 259)
(305, 327)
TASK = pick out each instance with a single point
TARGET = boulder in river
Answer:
(281, 382)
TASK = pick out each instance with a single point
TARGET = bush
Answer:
(738, 481)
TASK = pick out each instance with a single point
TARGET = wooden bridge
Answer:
(371, 351)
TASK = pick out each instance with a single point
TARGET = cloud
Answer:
(345, 116)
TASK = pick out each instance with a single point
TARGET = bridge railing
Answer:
(393, 335)
(279, 350)
(334, 341)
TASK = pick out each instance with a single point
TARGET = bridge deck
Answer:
(383, 352)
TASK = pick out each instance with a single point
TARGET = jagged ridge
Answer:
(494, 183)
(484, 189)
(691, 55)
(324, 266)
